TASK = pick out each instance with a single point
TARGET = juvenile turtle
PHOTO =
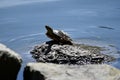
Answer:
(58, 36)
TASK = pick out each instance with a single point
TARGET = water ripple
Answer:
(25, 37)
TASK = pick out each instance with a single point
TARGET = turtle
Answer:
(58, 36)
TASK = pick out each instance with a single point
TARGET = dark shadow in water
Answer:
(105, 27)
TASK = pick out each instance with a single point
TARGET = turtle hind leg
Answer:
(66, 43)
(59, 42)
(53, 42)
(69, 43)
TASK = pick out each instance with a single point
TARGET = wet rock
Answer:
(48, 71)
(10, 63)
(69, 54)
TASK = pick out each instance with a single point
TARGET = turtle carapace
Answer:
(58, 36)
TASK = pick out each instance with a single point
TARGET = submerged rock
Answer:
(105, 27)
(10, 63)
(47, 71)
(79, 54)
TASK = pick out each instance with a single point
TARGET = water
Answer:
(22, 23)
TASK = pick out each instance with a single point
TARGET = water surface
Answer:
(22, 23)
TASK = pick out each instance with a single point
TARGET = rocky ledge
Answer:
(10, 63)
(79, 54)
(48, 71)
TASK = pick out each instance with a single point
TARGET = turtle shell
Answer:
(58, 35)
(63, 35)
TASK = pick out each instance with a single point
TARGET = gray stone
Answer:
(49, 71)
(10, 63)
(70, 54)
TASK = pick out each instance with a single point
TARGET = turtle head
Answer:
(48, 28)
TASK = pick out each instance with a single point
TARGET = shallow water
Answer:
(22, 24)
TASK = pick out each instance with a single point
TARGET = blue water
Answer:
(22, 24)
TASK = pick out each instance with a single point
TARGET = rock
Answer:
(10, 63)
(69, 54)
(48, 71)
